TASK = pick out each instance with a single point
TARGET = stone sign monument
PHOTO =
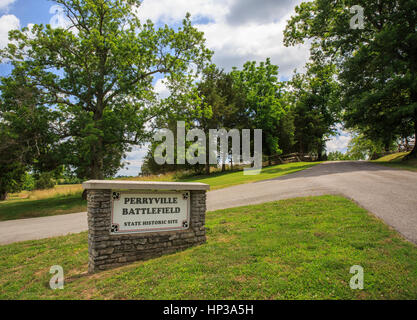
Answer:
(132, 220)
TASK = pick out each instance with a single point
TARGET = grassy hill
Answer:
(396, 160)
(67, 198)
(292, 249)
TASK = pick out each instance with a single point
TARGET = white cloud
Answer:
(136, 153)
(59, 18)
(234, 45)
(134, 161)
(130, 170)
(237, 30)
(168, 11)
(5, 4)
(161, 89)
(243, 11)
(339, 142)
(7, 22)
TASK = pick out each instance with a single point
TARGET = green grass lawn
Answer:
(395, 160)
(293, 249)
(51, 203)
(21, 209)
(223, 180)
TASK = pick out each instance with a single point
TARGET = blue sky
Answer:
(237, 31)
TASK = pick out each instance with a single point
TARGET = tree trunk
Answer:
(207, 165)
(320, 152)
(96, 165)
(3, 196)
(387, 145)
(300, 142)
(96, 170)
(413, 153)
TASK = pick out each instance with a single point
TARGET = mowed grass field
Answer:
(67, 198)
(219, 180)
(39, 203)
(292, 249)
(395, 160)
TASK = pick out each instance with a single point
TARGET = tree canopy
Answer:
(79, 97)
(376, 63)
(264, 105)
(98, 75)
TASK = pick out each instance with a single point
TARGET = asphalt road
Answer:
(390, 194)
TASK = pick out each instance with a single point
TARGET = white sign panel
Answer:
(138, 212)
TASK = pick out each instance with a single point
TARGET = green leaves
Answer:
(98, 75)
(376, 64)
(316, 109)
(27, 131)
(263, 103)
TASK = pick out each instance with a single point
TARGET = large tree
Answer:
(12, 167)
(186, 107)
(315, 107)
(98, 74)
(226, 102)
(214, 107)
(28, 133)
(264, 104)
(377, 60)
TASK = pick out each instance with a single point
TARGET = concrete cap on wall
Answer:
(143, 185)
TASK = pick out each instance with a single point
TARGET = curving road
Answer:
(390, 194)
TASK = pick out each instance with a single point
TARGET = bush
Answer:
(29, 182)
(183, 174)
(337, 155)
(45, 181)
(70, 180)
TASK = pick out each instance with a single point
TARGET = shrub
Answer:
(45, 181)
(29, 182)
